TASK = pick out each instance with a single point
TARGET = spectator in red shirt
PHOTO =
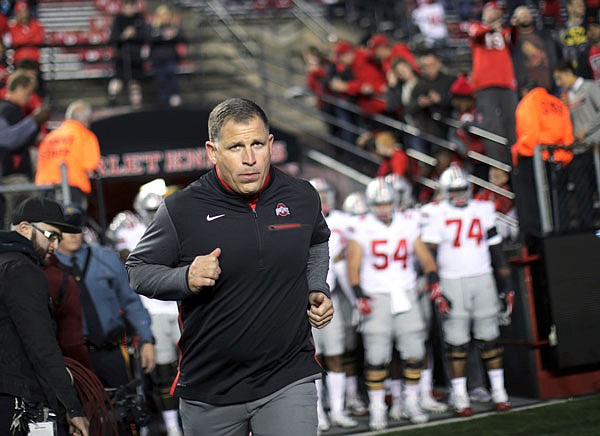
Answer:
(464, 104)
(493, 78)
(385, 52)
(357, 79)
(26, 34)
(395, 160)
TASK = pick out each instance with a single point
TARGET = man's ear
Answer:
(211, 151)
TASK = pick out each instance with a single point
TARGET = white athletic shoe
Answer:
(480, 395)
(395, 413)
(341, 420)
(430, 404)
(356, 406)
(323, 420)
(412, 411)
(377, 416)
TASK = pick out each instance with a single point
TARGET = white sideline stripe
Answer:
(457, 419)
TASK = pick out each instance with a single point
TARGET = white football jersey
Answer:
(461, 236)
(338, 222)
(387, 252)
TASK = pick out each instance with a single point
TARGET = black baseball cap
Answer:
(43, 210)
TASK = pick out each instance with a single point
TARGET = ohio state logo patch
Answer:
(282, 210)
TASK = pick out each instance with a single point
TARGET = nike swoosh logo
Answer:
(212, 218)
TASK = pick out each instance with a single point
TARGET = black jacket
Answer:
(31, 364)
(248, 336)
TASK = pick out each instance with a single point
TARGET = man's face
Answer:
(564, 79)
(576, 8)
(71, 243)
(242, 155)
(430, 66)
(43, 246)
(22, 94)
(593, 33)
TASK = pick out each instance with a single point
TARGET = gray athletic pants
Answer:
(291, 411)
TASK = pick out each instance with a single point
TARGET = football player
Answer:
(381, 268)
(463, 232)
(330, 340)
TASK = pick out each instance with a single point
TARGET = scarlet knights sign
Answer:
(165, 142)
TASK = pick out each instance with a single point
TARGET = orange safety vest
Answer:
(73, 144)
(542, 118)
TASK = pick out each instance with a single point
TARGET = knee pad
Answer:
(375, 376)
(412, 371)
(457, 352)
(350, 358)
(490, 351)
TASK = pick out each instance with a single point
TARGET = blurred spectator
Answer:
(318, 67)
(550, 14)
(463, 101)
(3, 65)
(503, 204)
(384, 52)
(544, 119)
(402, 79)
(431, 97)
(395, 160)
(493, 78)
(17, 135)
(166, 38)
(356, 78)
(571, 39)
(344, 85)
(128, 34)
(30, 67)
(25, 34)
(583, 99)
(430, 19)
(588, 65)
(76, 146)
(534, 55)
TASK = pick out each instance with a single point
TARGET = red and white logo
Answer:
(282, 210)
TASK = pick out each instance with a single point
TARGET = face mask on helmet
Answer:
(326, 193)
(355, 204)
(146, 204)
(454, 186)
(403, 190)
(382, 199)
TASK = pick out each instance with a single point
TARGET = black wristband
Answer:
(432, 277)
(358, 291)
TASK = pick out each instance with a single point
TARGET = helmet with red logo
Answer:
(326, 192)
(403, 190)
(455, 186)
(355, 203)
(382, 199)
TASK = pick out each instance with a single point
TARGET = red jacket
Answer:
(66, 308)
(31, 35)
(492, 61)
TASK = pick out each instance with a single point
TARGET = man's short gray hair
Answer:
(79, 110)
(236, 109)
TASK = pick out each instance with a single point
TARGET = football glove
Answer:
(442, 304)
(363, 302)
(507, 302)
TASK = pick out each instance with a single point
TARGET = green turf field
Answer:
(580, 417)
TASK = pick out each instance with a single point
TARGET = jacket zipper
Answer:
(261, 264)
